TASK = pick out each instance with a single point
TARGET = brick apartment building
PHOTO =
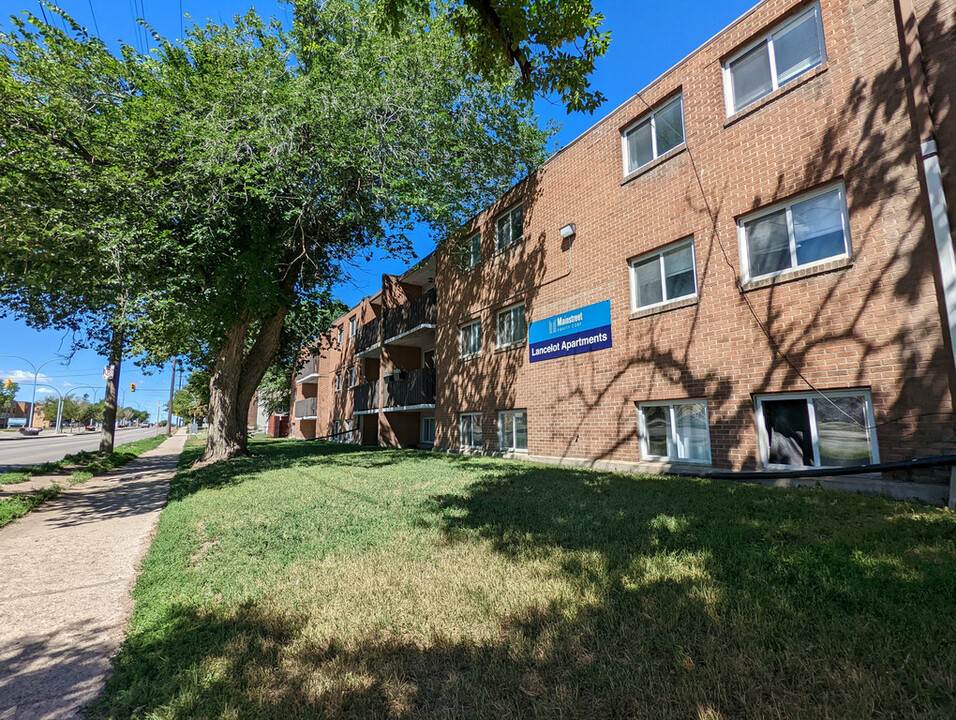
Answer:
(747, 265)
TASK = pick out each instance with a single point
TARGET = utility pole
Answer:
(169, 408)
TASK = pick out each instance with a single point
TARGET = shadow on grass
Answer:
(692, 599)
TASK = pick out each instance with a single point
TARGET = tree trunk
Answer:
(235, 376)
(108, 436)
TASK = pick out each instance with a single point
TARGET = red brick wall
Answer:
(872, 322)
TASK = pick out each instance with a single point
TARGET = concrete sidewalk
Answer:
(67, 572)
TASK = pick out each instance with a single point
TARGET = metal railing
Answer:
(368, 336)
(365, 396)
(420, 311)
(306, 408)
(416, 387)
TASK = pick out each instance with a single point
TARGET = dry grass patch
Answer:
(322, 581)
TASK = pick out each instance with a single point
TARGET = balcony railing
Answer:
(365, 396)
(306, 408)
(420, 311)
(367, 336)
(415, 388)
(311, 367)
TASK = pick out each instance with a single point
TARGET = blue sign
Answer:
(577, 331)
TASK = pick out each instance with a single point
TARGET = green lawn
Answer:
(325, 581)
(76, 468)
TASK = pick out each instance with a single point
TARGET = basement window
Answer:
(785, 53)
(469, 430)
(831, 429)
(674, 430)
(513, 430)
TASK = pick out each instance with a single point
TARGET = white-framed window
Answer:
(338, 381)
(509, 227)
(511, 326)
(664, 275)
(829, 429)
(674, 430)
(513, 430)
(428, 431)
(469, 339)
(353, 326)
(656, 133)
(804, 231)
(336, 429)
(350, 377)
(469, 430)
(341, 331)
(473, 250)
(786, 52)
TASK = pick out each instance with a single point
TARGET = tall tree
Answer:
(291, 153)
(77, 247)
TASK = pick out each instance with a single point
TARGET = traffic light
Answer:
(8, 384)
(132, 387)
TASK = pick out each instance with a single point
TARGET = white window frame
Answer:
(474, 250)
(509, 213)
(660, 252)
(461, 336)
(350, 376)
(341, 329)
(421, 437)
(511, 343)
(353, 326)
(768, 39)
(788, 206)
(338, 381)
(763, 438)
(652, 118)
(513, 440)
(475, 421)
(672, 424)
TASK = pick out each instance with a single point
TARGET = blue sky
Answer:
(646, 39)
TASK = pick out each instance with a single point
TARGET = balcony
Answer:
(368, 338)
(306, 409)
(413, 323)
(309, 372)
(416, 389)
(365, 398)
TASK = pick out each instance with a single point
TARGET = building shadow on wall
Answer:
(915, 402)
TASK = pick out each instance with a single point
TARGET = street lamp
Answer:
(36, 375)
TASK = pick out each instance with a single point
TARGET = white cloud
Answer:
(24, 378)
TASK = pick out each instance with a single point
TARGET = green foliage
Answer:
(78, 243)
(17, 506)
(552, 44)
(8, 392)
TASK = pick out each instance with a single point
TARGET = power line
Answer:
(93, 13)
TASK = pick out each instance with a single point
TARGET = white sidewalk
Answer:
(66, 572)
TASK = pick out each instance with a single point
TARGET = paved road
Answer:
(68, 568)
(16, 450)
